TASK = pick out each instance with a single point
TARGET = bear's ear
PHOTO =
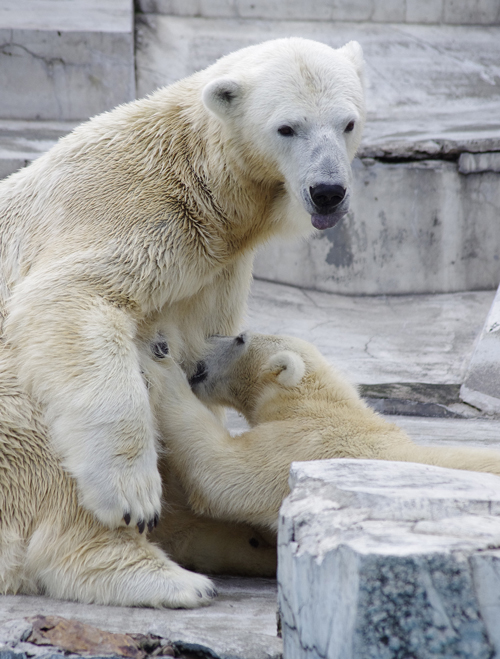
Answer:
(220, 96)
(355, 53)
(288, 367)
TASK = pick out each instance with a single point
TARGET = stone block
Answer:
(65, 60)
(389, 560)
(481, 386)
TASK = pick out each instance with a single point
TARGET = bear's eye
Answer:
(350, 127)
(286, 131)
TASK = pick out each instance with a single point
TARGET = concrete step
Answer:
(486, 12)
(65, 60)
(21, 142)
(424, 216)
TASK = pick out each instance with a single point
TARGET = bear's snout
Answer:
(326, 197)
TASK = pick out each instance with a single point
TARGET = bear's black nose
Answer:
(200, 375)
(326, 197)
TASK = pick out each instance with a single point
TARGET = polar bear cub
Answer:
(299, 408)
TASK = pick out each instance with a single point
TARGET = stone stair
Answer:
(60, 63)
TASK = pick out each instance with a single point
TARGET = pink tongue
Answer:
(325, 221)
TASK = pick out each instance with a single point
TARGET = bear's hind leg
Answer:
(92, 564)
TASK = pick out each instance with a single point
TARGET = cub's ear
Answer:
(288, 367)
(221, 95)
(354, 52)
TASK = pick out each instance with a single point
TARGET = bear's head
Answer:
(294, 111)
(250, 370)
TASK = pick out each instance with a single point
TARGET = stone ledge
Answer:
(385, 559)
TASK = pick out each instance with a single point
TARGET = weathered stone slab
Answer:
(485, 12)
(481, 386)
(383, 559)
(65, 60)
(474, 163)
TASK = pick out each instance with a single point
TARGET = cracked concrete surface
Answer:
(382, 339)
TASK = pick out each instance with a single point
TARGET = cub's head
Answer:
(294, 112)
(247, 370)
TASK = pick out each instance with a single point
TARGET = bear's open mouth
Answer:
(322, 222)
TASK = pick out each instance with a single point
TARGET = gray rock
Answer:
(475, 163)
(382, 559)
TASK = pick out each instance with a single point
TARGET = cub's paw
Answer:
(186, 590)
(155, 580)
(121, 492)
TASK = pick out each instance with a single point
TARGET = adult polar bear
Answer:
(142, 223)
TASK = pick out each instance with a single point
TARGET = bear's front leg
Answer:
(76, 355)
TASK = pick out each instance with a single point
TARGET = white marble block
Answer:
(389, 560)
